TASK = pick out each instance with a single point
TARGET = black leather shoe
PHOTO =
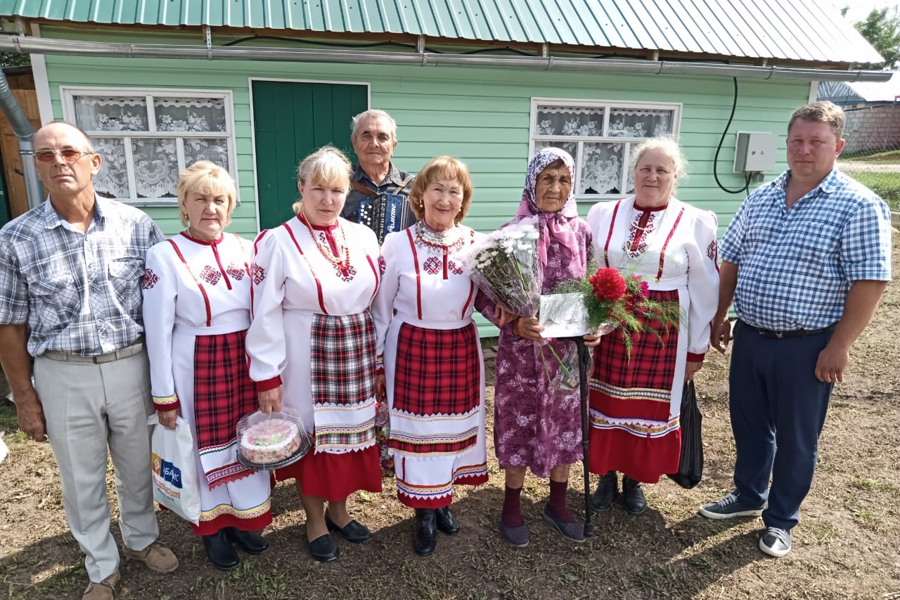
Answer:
(446, 521)
(606, 492)
(220, 552)
(354, 531)
(248, 541)
(323, 548)
(425, 540)
(635, 502)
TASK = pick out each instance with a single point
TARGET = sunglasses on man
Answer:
(70, 155)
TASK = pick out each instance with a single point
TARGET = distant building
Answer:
(873, 117)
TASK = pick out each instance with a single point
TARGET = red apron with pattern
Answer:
(342, 369)
(651, 367)
(438, 372)
(223, 393)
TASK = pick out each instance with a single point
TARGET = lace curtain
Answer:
(565, 121)
(601, 169)
(154, 160)
(639, 123)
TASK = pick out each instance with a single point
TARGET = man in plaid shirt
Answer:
(805, 259)
(70, 296)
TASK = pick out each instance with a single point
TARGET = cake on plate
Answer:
(270, 441)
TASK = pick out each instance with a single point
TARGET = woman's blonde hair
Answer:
(669, 145)
(205, 177)
(441, 167)
(327, 167)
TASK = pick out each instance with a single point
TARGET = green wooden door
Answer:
(292, 120)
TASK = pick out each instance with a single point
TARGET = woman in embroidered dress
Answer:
(636, 403)
(538, 425)
(432, 355)
(312, 346)
(196, 313)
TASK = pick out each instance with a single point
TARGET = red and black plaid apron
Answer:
(342, 372)
(223, 393)
(651, 367)
(438, 372)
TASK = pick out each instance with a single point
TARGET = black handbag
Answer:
(690, 466)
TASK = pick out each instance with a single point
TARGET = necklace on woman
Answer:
(344, 270)
(441, 240)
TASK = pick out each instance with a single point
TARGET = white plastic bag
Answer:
(175, 483)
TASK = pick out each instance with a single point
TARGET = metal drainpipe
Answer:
(25, 134)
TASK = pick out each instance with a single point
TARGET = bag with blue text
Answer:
(175, 483)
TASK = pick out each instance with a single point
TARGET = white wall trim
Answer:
(250, 81)
(41, 81)
(67, 97)
(813, 90)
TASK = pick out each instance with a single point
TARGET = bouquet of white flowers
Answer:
(505, 266)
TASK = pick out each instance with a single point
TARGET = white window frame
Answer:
(606, 105)
(68, 93)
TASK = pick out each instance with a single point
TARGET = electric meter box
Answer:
(755, 152)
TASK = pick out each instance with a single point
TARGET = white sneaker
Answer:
(775, 542)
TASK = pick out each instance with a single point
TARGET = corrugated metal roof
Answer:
(860, 91)
(791, 30)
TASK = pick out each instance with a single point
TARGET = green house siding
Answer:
(481, 116)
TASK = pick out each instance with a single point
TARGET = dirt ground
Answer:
(846, 546)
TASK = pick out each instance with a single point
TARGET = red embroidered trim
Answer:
(377, 278)
(412, 244)
(662, 253)
(612, 224)
(308, 264)
(199, 284)
(468, 300)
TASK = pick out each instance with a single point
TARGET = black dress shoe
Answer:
(425, 540)
(248, 541)
(354, 531)
(220, 552)
(606, 492)
(635, 502)
(446, 521)
(323, 548)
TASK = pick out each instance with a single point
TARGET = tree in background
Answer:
(14, 59)
(882, 29)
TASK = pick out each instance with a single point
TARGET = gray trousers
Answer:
(88, 408)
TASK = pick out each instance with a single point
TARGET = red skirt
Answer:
(636, 389)
(335, 476)
(255, 524)
(642, 458)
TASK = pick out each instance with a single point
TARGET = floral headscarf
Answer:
(557, 225)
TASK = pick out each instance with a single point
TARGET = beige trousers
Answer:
(88, 408)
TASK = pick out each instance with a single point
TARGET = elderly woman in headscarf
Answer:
(537, 425)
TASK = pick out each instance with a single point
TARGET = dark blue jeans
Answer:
(777, 411)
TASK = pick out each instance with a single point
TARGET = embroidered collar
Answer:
(306, 222)
(638, 207)
(447, 239)
(203, 242)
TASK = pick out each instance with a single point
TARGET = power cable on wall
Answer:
(719, 148)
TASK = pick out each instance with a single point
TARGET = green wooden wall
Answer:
(478, 115)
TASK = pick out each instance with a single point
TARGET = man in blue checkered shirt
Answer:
(805, 260)
(70, 296)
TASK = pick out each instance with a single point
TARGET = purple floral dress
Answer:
(537, 425)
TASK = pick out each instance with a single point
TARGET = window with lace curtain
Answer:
(146, 137)
(600, 136)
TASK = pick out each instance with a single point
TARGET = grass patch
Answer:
(8, 420)
(886, 185)
(874, 485)
(889, 157)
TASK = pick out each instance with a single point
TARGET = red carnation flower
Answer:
(608, 285)
(639, 286)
